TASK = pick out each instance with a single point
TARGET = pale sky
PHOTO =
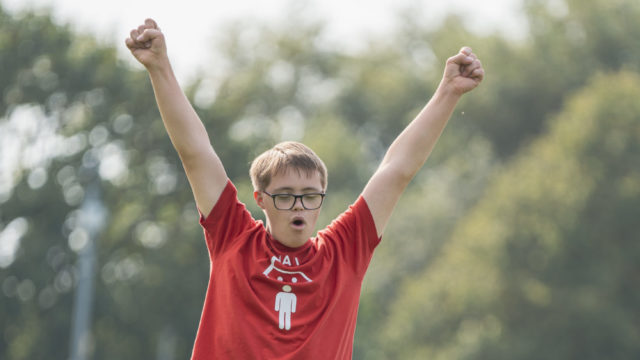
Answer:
(189, 23)
(28, 139)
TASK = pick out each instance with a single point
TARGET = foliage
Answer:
(518, 239)
(545, 259)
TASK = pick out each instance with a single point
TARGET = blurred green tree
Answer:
(72, 109)
(91, 113)
(528, 79)
(466, 270)
(544, 266)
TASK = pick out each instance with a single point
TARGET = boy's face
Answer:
(292, 227)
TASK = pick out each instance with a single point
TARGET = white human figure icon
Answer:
(285, 304)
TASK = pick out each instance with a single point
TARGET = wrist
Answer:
(159, 68)
(448, 91)
(162, 77)
(158, 71)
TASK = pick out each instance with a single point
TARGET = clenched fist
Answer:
(147, 44)
(463, 72)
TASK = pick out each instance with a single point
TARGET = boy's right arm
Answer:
(202, 165)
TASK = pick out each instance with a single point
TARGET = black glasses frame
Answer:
(296, 197)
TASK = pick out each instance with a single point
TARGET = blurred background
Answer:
(520, 239)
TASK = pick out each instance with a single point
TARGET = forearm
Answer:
(202, 166)
(410, 150)
(186, 130)
(406, 155)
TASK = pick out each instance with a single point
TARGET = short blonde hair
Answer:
(283, 157)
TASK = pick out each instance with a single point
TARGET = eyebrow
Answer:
(290, 189)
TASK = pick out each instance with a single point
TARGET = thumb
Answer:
(149, 35)
(461, 58)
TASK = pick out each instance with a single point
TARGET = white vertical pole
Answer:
(166, 344)
(92, 220)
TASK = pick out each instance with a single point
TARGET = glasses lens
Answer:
(284, 201)
(312, 201)
(287, 201)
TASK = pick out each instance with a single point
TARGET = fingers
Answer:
(460, 59)
(151, 24)
(142, 36)
(463, 72)
(477, 74)
(148, 35)
(133, 34)
(467, 63)
(472, 67)
(130, 43)
(463, 58)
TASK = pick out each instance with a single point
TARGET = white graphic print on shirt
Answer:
(286, 300)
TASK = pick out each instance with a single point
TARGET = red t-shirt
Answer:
(268, 301)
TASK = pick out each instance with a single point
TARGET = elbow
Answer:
(194, 153)
(402, 166)
(399, 175)
(404, 178)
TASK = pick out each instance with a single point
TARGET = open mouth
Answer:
(298, 223)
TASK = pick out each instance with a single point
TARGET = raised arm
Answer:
(202, 165)
(409, 151)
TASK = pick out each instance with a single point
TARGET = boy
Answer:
(275, 291)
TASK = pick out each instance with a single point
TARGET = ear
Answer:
(258, 196)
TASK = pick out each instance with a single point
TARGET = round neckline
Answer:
(284, 248)
(303, 252)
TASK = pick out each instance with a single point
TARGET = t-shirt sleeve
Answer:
(228, 218)
(353, 234)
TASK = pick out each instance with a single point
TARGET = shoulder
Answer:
(355, 226)
(228, 219)
(358, 214)
(227, 199)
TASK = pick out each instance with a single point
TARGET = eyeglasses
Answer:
(311, 201)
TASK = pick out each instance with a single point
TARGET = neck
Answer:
(292, 243)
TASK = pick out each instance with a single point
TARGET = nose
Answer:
(297, 204)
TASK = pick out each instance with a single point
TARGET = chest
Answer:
(258, 273)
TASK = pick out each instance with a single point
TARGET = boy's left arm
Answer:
(409, 151)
